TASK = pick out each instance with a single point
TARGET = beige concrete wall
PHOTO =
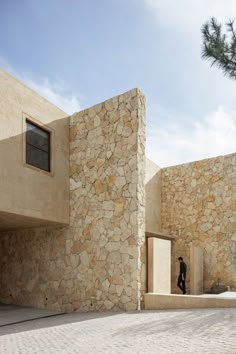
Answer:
(30, 197)
(159, 266)
(161, 302)
(199, 207)
(196, 270)
(153, 197)
(97, 263)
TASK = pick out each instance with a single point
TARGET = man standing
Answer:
(182, 275)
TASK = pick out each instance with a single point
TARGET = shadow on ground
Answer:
(15, 319)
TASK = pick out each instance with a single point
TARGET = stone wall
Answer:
(97, 263)
(199, 207)
(37, 269)
(107, 200)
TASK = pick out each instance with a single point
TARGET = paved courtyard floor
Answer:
(167, 331)
(11, 314)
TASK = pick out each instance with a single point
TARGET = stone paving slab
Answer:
(210, 331)
(10, 314)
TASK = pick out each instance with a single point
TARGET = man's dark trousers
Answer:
(181, 284)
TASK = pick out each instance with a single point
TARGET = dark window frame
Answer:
(49, 140)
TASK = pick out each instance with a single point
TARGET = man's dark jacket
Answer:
(183, 269)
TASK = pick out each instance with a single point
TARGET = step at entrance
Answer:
(159, 301)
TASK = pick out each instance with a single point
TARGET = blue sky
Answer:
(77, 53)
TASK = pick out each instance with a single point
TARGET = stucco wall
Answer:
(153, 197)
(159, 266)
(97, 263)
(199, 207)
(30, 197)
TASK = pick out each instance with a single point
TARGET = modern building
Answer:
(87, 222)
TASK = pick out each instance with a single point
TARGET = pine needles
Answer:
(220, 47)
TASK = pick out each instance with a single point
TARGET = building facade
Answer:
(72, 237)
(78, 196)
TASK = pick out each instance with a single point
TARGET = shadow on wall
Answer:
(95, 263)
(29, 196)
(153, 197)
(33, 207)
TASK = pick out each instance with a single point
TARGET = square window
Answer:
(37, 146)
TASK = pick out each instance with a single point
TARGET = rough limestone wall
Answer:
(107, 201)
(37, 269)
(199, 207)
(97, 263)
(141, 200)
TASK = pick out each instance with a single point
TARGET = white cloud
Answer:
(175, 140)
(212, 136)
(54, 91)
(187, 14)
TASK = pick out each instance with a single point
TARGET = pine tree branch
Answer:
(219, 48)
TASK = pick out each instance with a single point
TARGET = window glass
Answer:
(37, 146)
